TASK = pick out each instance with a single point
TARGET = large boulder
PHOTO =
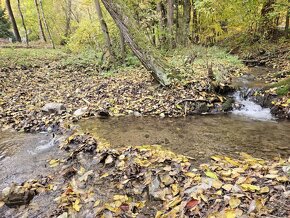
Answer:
(54, 107)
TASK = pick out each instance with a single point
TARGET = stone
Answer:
(17, 196)
(228, 105)
(80, 112)
(54, 107)
(137, 114)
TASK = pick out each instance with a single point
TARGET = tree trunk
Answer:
(287, 21)
(41, 31)
(266, 26)
(186, 20)
(194, 35)
(170, 22)
(122, 46)
(148, 61)
(46, 25)
(68, 14)
(12, 19)
(23, 22)
(104, 28)
(162, 23)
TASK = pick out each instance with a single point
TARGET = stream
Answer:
(250, 129)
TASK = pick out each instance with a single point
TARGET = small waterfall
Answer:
(250, 109)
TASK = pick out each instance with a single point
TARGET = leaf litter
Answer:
(149, 181)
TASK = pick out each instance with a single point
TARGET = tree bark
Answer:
(46, 25)
(12, 19)
(122, 46)
(41, 31)
(23, 22)
(287, 21)
(148, 61)
(162, 23)
(266, 26)
(186, 20)
(170, 22)
(68, 14)
(104, 28)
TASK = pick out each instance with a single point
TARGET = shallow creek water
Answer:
(198, 137)
(24, 156)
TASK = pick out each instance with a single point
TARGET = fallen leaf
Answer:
(192, 203)
(234, 202)
(249, 187)
(211, 175)
(76, 205)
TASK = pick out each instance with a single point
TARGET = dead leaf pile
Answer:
(87, 93)
(148, 181)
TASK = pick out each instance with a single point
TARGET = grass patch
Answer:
(11, 57)
(283, 86)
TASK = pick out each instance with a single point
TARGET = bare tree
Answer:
(23, 22)
(157, 69)
(46, 25)
(104, 28)
(12, 19)
(41, 31)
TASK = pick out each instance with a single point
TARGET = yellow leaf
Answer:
(174, 202)
(216, 158)
(159, 214)
(217, 184)
(211, 175)
(97, 203)
(227, 187)
(282, 179)
(104, 175)
(230, 213)
(264, 190)
(234, 202)
(219, 192)
(76, 205)
(122, 198)
(175, 189)
(249, 187)
(1, 204)
(190, 174)
(110, 208)
(54, 163)
(231, 161)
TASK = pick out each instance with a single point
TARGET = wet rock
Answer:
(228, 105)
(18, 196)
(54, 107)
(80, 112)
(103, 114)
(202, 108)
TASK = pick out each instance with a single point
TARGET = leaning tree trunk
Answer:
(104, 28)
(46, 25)
(149, 62)
(23, 22)
(12, 19)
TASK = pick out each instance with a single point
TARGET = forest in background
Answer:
(83, 24)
